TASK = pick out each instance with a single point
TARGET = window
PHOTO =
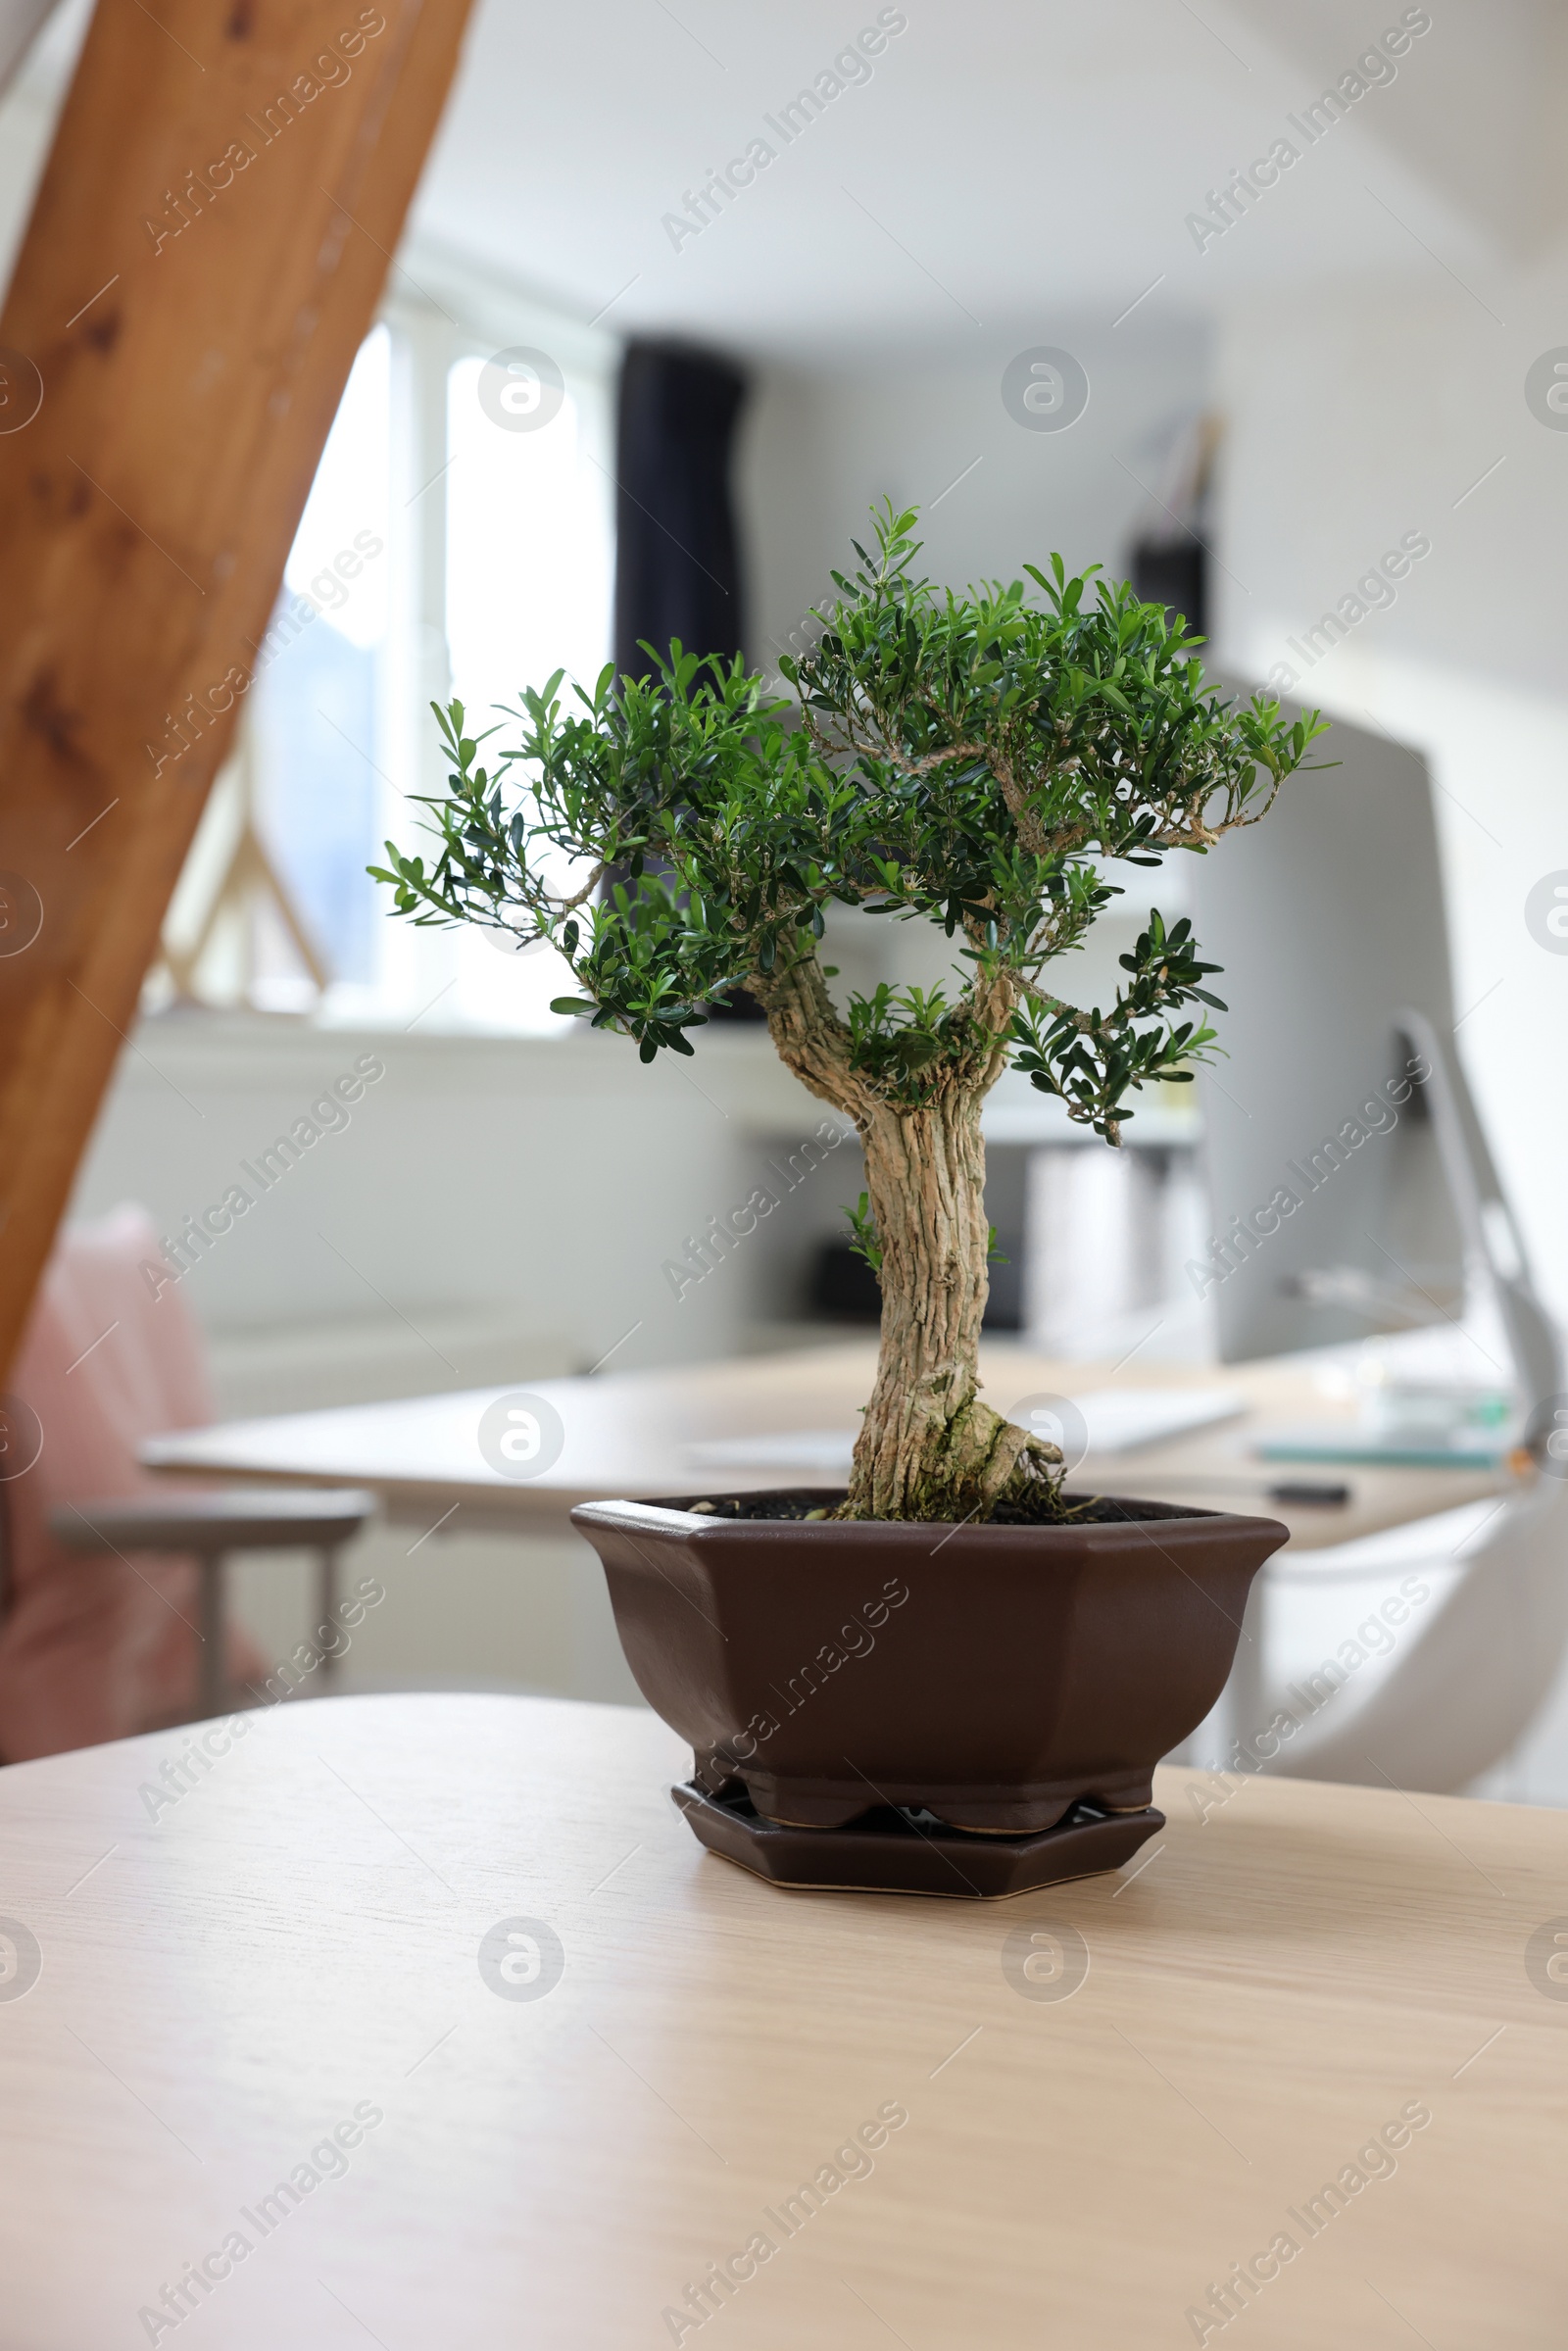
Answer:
(528, 565)
(528, 574)
(451, 544)
(314, 711)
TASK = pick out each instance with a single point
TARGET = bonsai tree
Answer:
(966, 760)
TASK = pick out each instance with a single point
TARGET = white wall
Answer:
(820, 445)
(1359, 414)
(495, 1193)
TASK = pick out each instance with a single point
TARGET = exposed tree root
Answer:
(980, 1463)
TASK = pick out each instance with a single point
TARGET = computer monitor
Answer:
(1349, 1185)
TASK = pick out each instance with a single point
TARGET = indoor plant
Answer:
(973, 761)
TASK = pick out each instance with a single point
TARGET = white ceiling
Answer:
(1009, 161)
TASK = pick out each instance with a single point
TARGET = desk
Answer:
(626, 1434)
(296, 1941)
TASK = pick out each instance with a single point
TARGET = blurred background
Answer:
(1263, 306)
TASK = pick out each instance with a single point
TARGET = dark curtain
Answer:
(678, 561)
(1174, 573)
(677, 556)
(1170, 554)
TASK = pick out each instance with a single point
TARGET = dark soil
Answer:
(802, 1503)
(760, 1505)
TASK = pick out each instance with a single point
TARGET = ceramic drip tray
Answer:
(895, 1851)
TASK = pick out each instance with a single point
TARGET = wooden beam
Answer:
(203, 258)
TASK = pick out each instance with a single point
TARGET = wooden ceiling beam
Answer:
(205, 255)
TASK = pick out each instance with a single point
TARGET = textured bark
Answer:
(928, 1447)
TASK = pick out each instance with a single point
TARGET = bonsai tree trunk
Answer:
(928, 1447)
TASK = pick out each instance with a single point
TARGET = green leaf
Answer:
(973, 761)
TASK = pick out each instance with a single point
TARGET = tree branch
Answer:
(809, 1036)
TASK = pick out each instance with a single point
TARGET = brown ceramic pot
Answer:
(993, 1674)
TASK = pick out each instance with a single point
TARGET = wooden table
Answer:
(292, 1948)
(628, 1433)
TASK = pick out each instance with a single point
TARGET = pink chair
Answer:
(106, 1628)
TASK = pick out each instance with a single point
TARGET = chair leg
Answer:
(327, 1610)
(212, 1679)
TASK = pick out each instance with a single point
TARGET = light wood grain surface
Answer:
(627, 1434)
(296, 1941)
